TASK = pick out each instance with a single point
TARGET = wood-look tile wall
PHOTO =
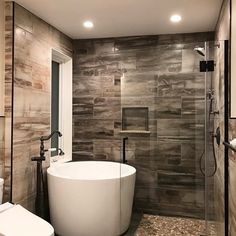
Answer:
(2, 74)
(2, 145)
(158, 72)
(2, 55)
(33, 43)
(8, 98)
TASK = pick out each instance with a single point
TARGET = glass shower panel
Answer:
(163, 117)
(214, 161)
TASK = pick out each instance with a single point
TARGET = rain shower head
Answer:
(200, 51)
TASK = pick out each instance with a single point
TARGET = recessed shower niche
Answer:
(135, 119)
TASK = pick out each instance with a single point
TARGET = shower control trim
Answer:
(217, 136)
(207, 66)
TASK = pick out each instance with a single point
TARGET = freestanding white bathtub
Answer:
(91, 198)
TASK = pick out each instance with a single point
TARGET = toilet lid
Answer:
(19, 221)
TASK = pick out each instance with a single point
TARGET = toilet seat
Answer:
(16, 220)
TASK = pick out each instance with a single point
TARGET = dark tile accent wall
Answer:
(157, 72)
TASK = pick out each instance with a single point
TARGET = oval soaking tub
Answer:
(91, 198)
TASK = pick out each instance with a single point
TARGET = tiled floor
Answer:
(150, 225)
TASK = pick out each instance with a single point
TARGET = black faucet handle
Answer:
(50, 150)
(37, 158)
(61, 153)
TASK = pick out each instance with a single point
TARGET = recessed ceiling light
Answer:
(88, 24)
(175, 18)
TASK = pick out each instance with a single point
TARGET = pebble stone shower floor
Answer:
(152, 225)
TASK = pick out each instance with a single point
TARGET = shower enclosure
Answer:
(143, 100)
(169, 117)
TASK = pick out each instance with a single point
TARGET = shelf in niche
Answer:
(135, 132)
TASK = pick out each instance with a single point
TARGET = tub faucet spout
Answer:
(45, 138)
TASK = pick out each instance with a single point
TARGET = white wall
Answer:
(2, 56)
(233, 60)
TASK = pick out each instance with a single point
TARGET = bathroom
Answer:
(143, 106)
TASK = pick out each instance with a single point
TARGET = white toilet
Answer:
(16, 220)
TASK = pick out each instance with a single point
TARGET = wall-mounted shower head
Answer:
(200, 51)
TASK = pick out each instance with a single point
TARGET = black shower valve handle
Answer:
(217, 136)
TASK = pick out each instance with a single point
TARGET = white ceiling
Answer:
(114, 18)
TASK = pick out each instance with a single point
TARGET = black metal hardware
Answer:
(229, 146)
(217, 136)
(41, 202)
(60, 153)
(37, 159)
(59, 150)
(40, 198)
(42, 150)
(226, 133)
(206, 66)
(45, 138)
(215, 112)
(124, 151)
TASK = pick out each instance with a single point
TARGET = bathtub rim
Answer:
(52, 171)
